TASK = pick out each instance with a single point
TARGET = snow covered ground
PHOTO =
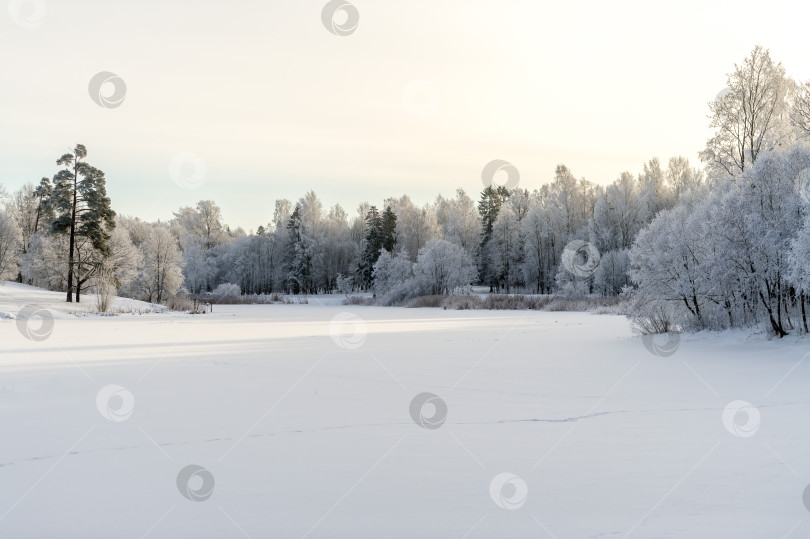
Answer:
(310, 421)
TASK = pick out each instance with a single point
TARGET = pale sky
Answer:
(416, 100)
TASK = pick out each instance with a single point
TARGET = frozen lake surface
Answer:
(310, 421)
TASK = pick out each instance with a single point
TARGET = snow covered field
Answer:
(309, 421)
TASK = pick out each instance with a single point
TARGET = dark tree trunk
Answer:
(72, 236)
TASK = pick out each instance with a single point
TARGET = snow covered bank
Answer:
(15, 296)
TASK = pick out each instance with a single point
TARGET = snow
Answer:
(297, 421)
(14, 296)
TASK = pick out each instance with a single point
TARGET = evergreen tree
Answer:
(82, 208)
(488, 208)
(372, 245)
(43, 192)
(299, 255)
(389, 229)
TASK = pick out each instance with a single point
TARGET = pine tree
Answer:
(488, 208)
(82, 208)
(372, 245)
(44, 209)
(299, 255)
(389, 229)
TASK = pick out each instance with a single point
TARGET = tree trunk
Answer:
(72, 235)
(776, 327)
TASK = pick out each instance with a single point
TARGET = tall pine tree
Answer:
(389, 229)
(82, 210)
(43, 192)
(372, 245)
(299, 255)
(488, 207)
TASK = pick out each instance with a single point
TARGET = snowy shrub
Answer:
(463, 303)
(344, 284)
(426, 301)
(654, 318)
(227, 290)
(182, 303)
(360, 300)
(105, 288)
(515, 302)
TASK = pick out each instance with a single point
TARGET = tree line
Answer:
(716, 246)
(62, 234)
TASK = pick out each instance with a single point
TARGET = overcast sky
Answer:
(417, 99)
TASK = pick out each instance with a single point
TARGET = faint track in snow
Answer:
(572, 419)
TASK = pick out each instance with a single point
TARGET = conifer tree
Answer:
(82, 209)
(372, 245)
(299, 255)
(389, 229)
(488, 207)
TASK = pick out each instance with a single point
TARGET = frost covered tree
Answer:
(800, 111)
(682, 177)
(620, 212)
(539, 250)
(45, 264)
(198, 266)
(799, 274)
(122, 264)
(458, 221)
(250, 263)
(611, 275)
(505, 249)
(203, 238)
(22, 206)
(338, 249)
(10, 244)
(415, 226)
(730, 260)
(750, 116)
(393, 278)
(569, 202)
(161, 276)
(654, 191)
(203, 223)
(442, 266)
(668, 265)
